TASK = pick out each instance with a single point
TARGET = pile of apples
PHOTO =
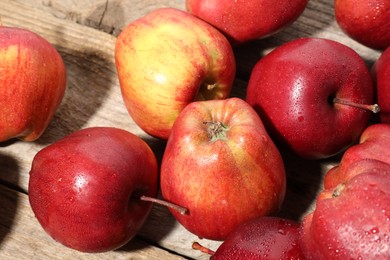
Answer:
(312, 97)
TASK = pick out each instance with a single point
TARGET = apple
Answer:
(351, 220)
(222, 166)
(243, 21)
(381, 75)
(313, 96)
(85, 189)
(374, 144)
(32, 83)
(270, 238)
(366, 21)
(167, 59)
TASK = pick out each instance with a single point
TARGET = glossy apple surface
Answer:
(352, 220)
(381, 74)
(32, 83)
(243, 21)
(167, 59)
(294, 88)
(85, 188)
(222, 166)
(374, 144)
(267, 238)
(366, 21)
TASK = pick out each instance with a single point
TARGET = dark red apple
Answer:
(381, 74)
(352, 220)
(366, 21)
(32, 83)
(222, 166)
(243, 21)
(267, 238)
(312, 96)
(85, 189)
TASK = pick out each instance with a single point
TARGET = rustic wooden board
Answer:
(84, 32)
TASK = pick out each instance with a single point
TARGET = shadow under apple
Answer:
(9, 200)
(89, 76)
(86, 90)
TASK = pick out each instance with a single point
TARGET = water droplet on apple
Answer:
(372, 231)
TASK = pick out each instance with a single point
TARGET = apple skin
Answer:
(243, 21)
(32, 83)
(222, 180)
(268, 238)
(351, 221)
(374, 144)
(366, 21)
(83, 188)
(292, 89)
(381, 75)
(160, 73)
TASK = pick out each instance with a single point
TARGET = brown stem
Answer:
(180, 209)
(201, 248)
(373, 108)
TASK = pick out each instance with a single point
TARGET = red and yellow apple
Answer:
(168, 59)
(32, 83)
(222, 166)
(242, 21)
(374, 144)
(85, 189)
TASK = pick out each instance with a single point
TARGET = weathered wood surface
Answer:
(84, 32)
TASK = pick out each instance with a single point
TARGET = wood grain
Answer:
(84, 32)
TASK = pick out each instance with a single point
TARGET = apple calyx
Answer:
(216, 130)
(180, 209)
(373, 108)
(197, 246)
(337, 191)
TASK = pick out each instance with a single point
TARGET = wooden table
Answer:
(84, 32)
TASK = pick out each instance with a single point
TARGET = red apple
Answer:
(366, 21)
(352, 220)
(243, 21)
(311, 94)
(268, 238)
(85, 189)
(381, 74)
(32, 83)
(374, 143)
(222, 166)
(167, 59)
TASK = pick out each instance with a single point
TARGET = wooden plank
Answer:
(21, 237)
(106, 15)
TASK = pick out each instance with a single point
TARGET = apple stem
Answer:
(180, 209)
(201, 248)
(373, 108)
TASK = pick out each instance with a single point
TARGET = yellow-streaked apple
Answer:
(222, 166)
(32, 83)
(168, 59)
